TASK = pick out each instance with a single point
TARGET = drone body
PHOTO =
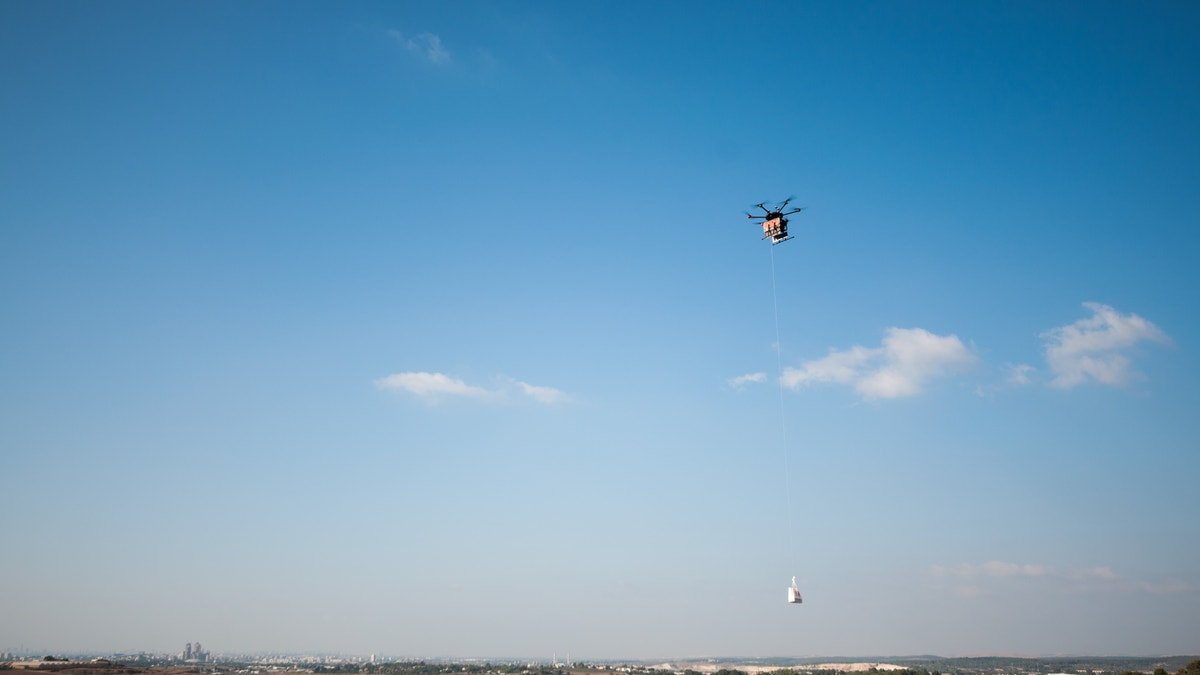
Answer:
(775, 221)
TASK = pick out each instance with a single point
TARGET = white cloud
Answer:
(1091, 349)
(426, 45)
(843, 367)
(742, 380)
(547, 395)
(994, 568)
(979, 578)
(436, 386)
(907, 359)
(431, 385)
(1019, 375)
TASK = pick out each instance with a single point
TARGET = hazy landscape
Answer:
(903, 665)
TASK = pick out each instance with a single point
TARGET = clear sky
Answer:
(438, 328)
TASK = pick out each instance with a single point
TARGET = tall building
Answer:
(193, 652)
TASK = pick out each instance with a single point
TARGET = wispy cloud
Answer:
(547, 395)
(906, 360)
(435, 387)
(994, 568)
(431, 385)
(750, 378)
(1092, 349)
(1020, 375)
(427, 46)
(977, 578)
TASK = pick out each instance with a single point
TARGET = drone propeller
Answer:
(775, 211)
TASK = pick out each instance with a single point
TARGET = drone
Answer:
(775, 221)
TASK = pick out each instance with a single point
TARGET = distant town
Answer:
(194, 658)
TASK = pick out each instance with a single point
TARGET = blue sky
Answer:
(438, 329)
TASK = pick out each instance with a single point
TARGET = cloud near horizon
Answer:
(1091, 349)
(997, 568)
(434, 387)
(906, 360)
(977, 577)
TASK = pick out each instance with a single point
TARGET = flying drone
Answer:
(775, 221)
